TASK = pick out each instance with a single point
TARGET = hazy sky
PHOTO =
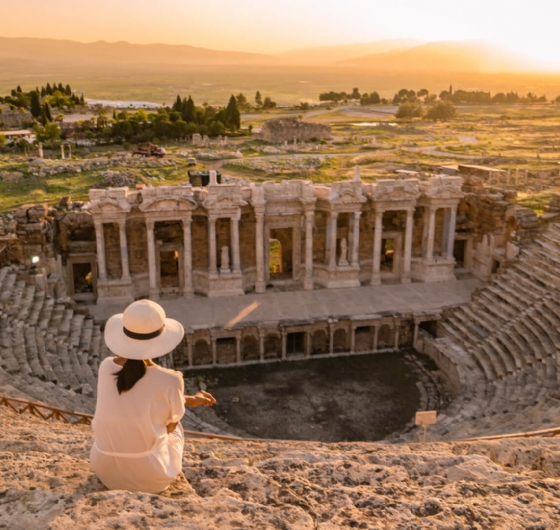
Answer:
(269, 26)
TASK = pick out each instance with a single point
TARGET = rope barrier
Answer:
(46, 412)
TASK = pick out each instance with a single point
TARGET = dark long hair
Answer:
(131, 372)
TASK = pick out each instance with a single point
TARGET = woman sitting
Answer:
(138, 435)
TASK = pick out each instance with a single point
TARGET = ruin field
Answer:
(516, 138)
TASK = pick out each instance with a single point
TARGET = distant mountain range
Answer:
(447, 56)
(384, 56)
(65, 51)
(329, 54)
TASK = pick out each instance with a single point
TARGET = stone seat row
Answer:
(507, 339)
(44, 338)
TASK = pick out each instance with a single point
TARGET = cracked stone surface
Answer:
(45, 482)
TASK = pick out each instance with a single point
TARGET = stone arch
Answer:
(320, 342)
(272, 347)
(363, 339)
(250, 348)
(385, 339)
(202, 353)
(340, 341)
(226, 350)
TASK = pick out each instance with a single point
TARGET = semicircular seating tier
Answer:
(506, 345)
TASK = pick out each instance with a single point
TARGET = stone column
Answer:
(415, 335)
(309, 220)
(154, 295)
(352, 339)
(260, 285)
(356, 238)
(332, 234)
(212, 262)
(431, 233)
(187, 259)
(451, 234)
(284, 343)
(308, 339)
(405, 277)
(189, 350)
(375, 337)
(396, 341)
(261, 344)
(214, 351)
(238, 348)
(235, 244)
(377, 236)
(100, 240)
(124, 250)
(331, 338)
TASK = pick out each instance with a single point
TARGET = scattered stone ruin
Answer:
(293, 130)
(10, 119)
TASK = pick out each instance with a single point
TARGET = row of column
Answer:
(260, 287)
(377, 240)
(236, 256)
(448, 239)
(152, 262)
(284, 340)
(353, 236)
(100, 241)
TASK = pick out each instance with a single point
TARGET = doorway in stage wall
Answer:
(280, 254)
(387, 255)
(459, 250)
(169, 269)
(83, 278)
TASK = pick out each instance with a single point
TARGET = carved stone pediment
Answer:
(167, 203)
(110, 206)
(395, 190)
(442, 188)
(347, 196)
(223, 202)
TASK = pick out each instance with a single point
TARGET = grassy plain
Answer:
(506, 137)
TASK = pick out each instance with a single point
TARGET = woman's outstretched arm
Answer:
(200, 398)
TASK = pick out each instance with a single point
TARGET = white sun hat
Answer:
(142, 332)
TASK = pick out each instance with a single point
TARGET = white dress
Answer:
(132, 450)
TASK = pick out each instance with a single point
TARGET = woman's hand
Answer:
(200, 398)
(171, 427)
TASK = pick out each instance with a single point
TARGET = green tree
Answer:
(2, 139)
(47, 133)
(268, 103)
(408, 110)
(355, 94)
(241, 101)
(441, 111)
(232, 115)
(188, 110)
(35, 105)
(178, 105)
(258, 99)
(48, 115)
